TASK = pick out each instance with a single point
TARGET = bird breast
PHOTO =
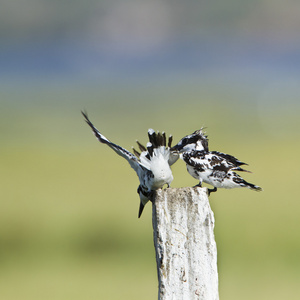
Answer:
(161, 171)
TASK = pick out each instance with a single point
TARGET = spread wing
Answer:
(131, 158)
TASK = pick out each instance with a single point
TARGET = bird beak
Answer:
(175, 148)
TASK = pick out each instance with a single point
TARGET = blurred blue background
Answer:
(68, 209)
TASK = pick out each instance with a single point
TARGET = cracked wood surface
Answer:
(186, 252)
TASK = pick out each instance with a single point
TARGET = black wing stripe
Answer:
(131, 158)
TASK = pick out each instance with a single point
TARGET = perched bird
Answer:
(212, 167)
(152, 166)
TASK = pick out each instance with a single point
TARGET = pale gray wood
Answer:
(186, 252)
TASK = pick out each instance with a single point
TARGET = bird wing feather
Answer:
(131, 158)
(229, 158)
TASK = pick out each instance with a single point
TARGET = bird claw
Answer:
(211, 190)
(198, 185)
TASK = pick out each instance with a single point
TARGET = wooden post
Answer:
(186, 252)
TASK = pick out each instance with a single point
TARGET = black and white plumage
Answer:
(195, 141)
(212, 167)
(152, 166)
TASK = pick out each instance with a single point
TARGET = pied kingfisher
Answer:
(152, 166)
(212, 167)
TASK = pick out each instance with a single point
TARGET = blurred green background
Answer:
(68, 208)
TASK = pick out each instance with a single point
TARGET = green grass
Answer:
(69, 226)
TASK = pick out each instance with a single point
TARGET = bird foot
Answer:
(198, 185)
(211, 190)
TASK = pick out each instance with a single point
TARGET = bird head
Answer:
(195, 141)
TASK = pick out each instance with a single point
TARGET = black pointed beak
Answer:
(176, 148)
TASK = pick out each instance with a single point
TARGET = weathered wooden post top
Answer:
(186, 252)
